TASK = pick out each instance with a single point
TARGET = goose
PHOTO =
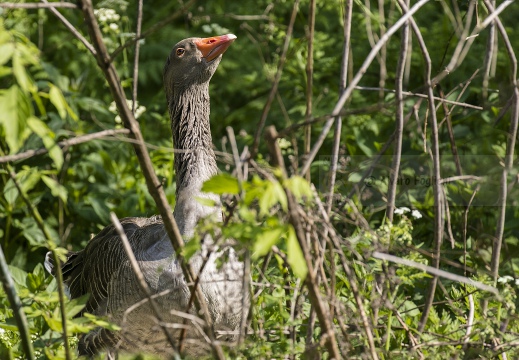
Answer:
(102, 268)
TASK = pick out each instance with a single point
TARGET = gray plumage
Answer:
(102, 268)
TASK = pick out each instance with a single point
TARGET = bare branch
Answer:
(277, 78)
(316, 300)
(309, 79)
(436, 272)
(16, 306)
(424, 96)
(399, 128)
(153, 28)
(342, 85)
(140, 278)
(136, 57)
(61, 4)
(71, 28)
(355, 81)
(62, 144)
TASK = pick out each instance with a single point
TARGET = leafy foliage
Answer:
(51, 90)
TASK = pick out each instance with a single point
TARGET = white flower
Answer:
(416, 214)
(139, 110)
(402, 210)
(114, 26)
(516, 282)
(505, 279)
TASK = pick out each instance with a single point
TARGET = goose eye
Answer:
(180, 52)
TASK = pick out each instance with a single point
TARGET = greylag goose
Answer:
(102, 269)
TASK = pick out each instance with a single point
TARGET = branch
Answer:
(153, 28)
(409, 93)
(59, 276)
(316, 300)
(72, 29)
(355, 81)
(399, 128)
(62, 144)
(16, 305)
(65, 5)
(309, 80)
(436, 272)
(140, 278)
(510, 147)
(338, 120)
(136, 57)
(154, 185)
(277, 78)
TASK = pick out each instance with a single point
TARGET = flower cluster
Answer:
(108, 17)
(507, 278)
(139, 110)
(415, 213)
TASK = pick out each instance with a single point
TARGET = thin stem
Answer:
(16, 305)
(71, 28)
(159, 25)
(59, 276)
(140, 279)
(437, 190)
(136, 57)
(277, 78)
(44, 5)
(510, 147)
(65, 143)
(309, 78)
(347, 11)
(355, 81)
(399, 128)
(320, 307)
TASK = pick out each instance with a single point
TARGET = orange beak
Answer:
(213, 47)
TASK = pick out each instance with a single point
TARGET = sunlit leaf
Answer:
(221, 184)
(47, 136)
(14, 111)
(55, 188)
(299, 187)
(6, 51)
(58, 100)
(265, 240)
(295, 255)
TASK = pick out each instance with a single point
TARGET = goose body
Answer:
(102, 269)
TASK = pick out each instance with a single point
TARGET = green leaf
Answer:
(28, 179)
(47, 136)
(295, 256)
(15, 108)
(23, 79)
(74, 306)
(10, 192)
(102, 322)
(190, 248)
(299, 187)
(6, 52)
(265, 241)
(58, 100)
(272, 195)
(55, 188)
(205, 201)
(221, 184)
(18, 275)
